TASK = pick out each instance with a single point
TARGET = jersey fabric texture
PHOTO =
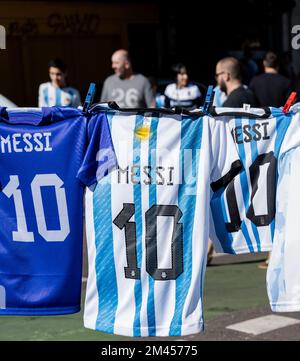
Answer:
(50, 95)
(147, 223)
(283, 275)
(160, 101)
(219, 97)
(244, 212)
(41, 207)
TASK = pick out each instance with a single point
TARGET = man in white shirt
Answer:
(56, 92)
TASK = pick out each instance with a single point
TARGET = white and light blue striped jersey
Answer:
(283, 275)
(186, 97)
(219, 97)
(243, 212)
(160, 101)
(147, 225)
(50, 95)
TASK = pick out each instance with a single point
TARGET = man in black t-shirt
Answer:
(228, 77)
(270, 88)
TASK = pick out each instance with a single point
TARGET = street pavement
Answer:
(235, 308)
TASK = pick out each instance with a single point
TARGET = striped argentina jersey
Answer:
(147, 226)
(243, 212)
(283, 275)
(50, 95)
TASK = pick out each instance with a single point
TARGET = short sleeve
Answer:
(149, 95)
(198, 93)
(100, 158)
(167, 92)
(104, 93)
(226, 163)
(291, 122)
(41, 99)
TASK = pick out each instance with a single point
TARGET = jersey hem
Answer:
(147, 331)
(39, 311)
(285, 307)
(243, 250)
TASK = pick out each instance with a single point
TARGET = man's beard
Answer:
(223, 87)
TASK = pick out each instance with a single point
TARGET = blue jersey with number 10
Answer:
(41, 208)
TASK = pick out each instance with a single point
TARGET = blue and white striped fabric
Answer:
(219, 97)
(147, 225)
(50, 95)
(283, 276)
(244, 211)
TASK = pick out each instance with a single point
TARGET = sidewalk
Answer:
(235, 290)
(239, 322)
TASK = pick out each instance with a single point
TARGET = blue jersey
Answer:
(147, 223)
(41, 207)
(243, 211)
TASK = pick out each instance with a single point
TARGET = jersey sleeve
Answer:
(104, 93)
(149, 95)
(100, 158)
(167, 96)
(292, 136)
(226, 163)
(41, 100)
(198, 93)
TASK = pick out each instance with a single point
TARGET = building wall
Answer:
(295, 20)
(83, 34)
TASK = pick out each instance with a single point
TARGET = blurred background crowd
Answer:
(166, 51)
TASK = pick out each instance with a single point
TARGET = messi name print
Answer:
(41, 207)
(147, 223)
(243, 212)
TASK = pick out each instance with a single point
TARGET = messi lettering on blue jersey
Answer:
(41, 206)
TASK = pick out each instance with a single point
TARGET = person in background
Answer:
(271, 88)
(159, 98)
(287, 68)
(229, 92)
(127, 88)
(228, 77)
(182, 93)
(249, 67)
(56, 92)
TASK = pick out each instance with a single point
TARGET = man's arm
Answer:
(41, 99)
(148, 95)
(104, 93)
